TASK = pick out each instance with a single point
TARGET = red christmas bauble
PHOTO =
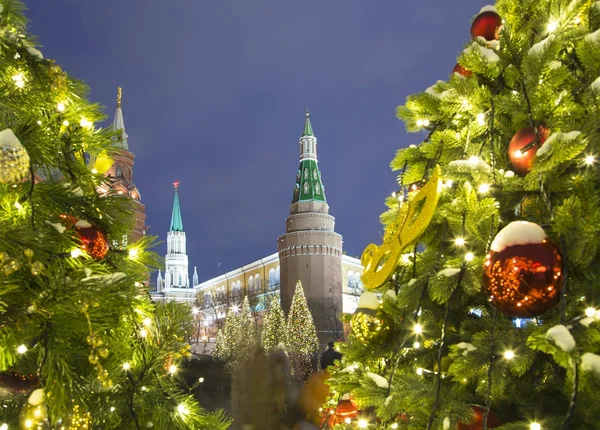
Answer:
(462, 71)
(93, 239)
(521, 156)
(523, 271)
(487, 25)
(477, 423)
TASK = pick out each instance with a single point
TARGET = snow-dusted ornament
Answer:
(14, 160)
(523, 271)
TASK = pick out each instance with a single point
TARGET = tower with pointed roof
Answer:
(176, 260)
(311, 250)
(120, 175)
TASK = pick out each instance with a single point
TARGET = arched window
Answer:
(317, 188)
(207, 299)
(119, 171)
(238, 287)
(273, 281)
(305, 187)
(257, 285)
(251, 284)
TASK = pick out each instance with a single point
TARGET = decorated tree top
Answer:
(302, 335)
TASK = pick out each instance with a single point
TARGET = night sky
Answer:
(214, 94)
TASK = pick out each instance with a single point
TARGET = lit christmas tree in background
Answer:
(82, 345)
(488, 273)
(302, 339)
(274, 327)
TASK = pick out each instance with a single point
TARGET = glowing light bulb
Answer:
(126, 366)
(426, 122)
(577, 20)
(416, 345)
(19, 80)
(172, 369)
(449, 183)
(201, 380)
(4, 426)
(348, 420)
(590, 312)
(474, 159)
(535, 426)
(143, 333)
(420, 371)
(418, 329)
(469, 256)
(484, 188)
(94, 171)
(552, 26)
(481, 119)
(112, 408)
(60, 107)
(459, 241)
(76, 253)
(419, 123)
(590, 159)
(39, 122)
(363, 424)
(195, 310)
(18, 205)
(509, 355)
(66, 123)
(147, 322)
(133, 253)
(235, 309)
(182, 409)
(22, 349)
(406, 258)
(394, 426)
(28, 423)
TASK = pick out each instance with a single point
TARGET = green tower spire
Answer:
(308, 131)
(309, 185)
(176, 223)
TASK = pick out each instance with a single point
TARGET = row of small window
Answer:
(254, 285)
(306, 188)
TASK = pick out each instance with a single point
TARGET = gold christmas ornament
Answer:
(381, 261)
(369, 322)
(14, 160)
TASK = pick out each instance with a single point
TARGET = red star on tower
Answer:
(176, 184)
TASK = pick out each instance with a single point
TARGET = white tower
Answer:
(176, 260)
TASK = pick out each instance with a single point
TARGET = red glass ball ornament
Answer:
(93, 240)
(477, 423)
(487, 25)
(462, 71)
(522, 148)
(523, 271)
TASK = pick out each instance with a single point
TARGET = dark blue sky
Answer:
(214, 94)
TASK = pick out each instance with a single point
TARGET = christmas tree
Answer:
(302, 339)
(274, 328)
(237, 341)
(82, 345)
(482, 303)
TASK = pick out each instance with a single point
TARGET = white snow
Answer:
(494, 44)
(488, 8)
(78, 191)
(596, 85)
(351, 368)
(587, 321)
(368, 300)
(388, 399)
(555, 65)
(562, 337)
(391, 294)
(518, 233)
(35, 52)
(37, 397)
(108, 279)
(9, 140)
(378, 379)
(590, 363)
(509, 174)
(475, 164)
(83, 224)
(593, 37)
(561, 137)
(468, 347)
(446, 423)
(539, 47)
(432, 92)
(58, 226)
(488, 53)
(449, 272)
(412, 281)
